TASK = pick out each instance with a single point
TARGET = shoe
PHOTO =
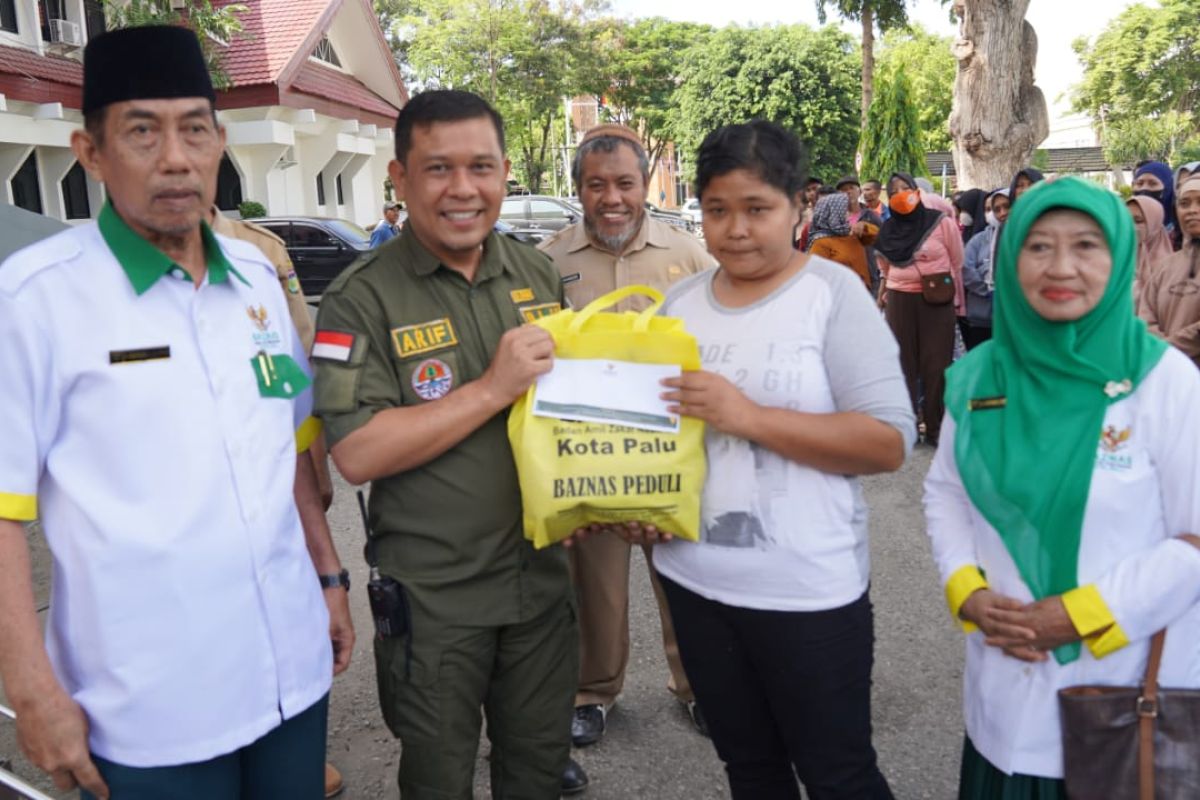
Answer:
(333, 781)
(587, 726)
(574, 779)
(698, 718)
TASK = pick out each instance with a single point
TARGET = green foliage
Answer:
(639, 68)
(887, 13)
(892, 141)
(1143, 66)
(1163, 138)
(524, 56)
(804, 79)
(215, 27)
(931, 68)
(251, 209)
(1040, 160)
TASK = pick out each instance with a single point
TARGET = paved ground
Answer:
(651, 750)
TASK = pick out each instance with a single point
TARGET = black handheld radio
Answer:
(389, 606)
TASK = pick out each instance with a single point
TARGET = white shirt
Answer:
(1145, 490)
(185, 614)
(776, 534)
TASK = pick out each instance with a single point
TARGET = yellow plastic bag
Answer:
(573, 473)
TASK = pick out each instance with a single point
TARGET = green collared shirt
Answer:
(144, 263)
(410, 330)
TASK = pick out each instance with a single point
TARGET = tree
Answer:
(886, 14)
(931, 68)
(523, 56)
(999, 116)
(1167, 137)
(215, 27)
(639, 67)
(801, 78)
(892, 141)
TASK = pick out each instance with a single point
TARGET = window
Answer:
(325, 52)
(93, 17)
(48, 10)
(280, 229)
(513, 208)
(75, 193)
(229, 186)
(341, 200)
(309, 236)
(320, 190)
(545, 209)
(25, 190)
(8, 16)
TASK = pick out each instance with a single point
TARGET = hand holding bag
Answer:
(1131, 743)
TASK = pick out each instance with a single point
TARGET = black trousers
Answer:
(785, 694)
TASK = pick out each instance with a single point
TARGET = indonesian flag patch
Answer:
(333, 346)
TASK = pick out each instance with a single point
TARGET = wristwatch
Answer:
(341, 579)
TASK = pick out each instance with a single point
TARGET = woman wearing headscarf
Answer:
(1183, 173)
(1023, 181)
(972, 214)
(1170, 300)
(831, 236)
(1062, 509)
(1154, 244)
(978, 282)
(1155, 179)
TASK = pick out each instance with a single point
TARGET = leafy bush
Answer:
(250, 209)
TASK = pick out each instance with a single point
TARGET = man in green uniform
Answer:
(420, 350)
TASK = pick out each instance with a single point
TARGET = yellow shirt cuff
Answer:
(307, 433)
(18, 507)
(962, 584)
(1094, 620)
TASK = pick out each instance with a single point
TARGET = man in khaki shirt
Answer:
(615, 245)
(275, 251)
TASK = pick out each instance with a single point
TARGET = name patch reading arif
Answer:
(413, 340)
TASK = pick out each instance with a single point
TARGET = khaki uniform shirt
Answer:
(398, 328)
(273, 248)
(658, 256)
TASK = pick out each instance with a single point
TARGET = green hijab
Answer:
(1027, 460)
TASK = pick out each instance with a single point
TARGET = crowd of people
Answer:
(159, 412)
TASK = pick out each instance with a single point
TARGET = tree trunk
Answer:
(999, 116)
(868, 69)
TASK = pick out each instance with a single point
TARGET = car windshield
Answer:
(350, 232)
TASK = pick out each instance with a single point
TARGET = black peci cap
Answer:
(152, 62)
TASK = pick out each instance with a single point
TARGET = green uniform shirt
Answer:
(398, 329)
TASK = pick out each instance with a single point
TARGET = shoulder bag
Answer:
(1131, 743)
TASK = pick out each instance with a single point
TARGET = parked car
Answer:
(691, 210)
(529, 236)
(670, 217)
(320, 247)
(538, 212)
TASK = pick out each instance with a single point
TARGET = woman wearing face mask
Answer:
(977, 272)
(919, 242)
(1155, 179)
(1154, 244)
(972, 212)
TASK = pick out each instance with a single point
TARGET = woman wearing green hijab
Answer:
(1062, 504)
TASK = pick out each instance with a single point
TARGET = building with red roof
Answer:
(313, 97)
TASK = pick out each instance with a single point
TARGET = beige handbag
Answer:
(1131, 743)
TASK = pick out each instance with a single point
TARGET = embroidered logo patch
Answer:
(293, 283)
(1111, 456)
(531, 313)
(264, 337)
(521, 295)
(413, 340)
(333, 345)
(432, 379)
